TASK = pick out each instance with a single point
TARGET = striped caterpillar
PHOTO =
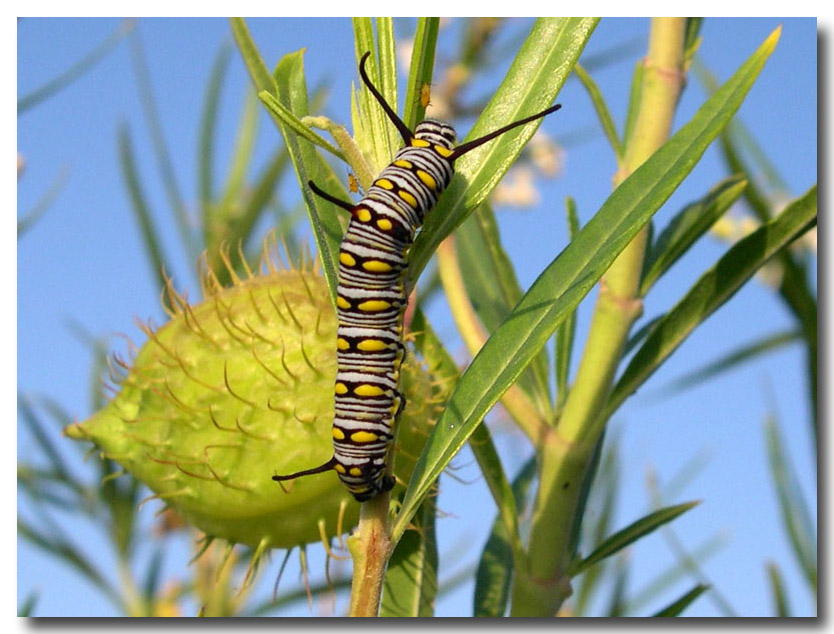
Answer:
(371, 296)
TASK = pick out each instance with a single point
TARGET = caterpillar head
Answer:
(437, 133)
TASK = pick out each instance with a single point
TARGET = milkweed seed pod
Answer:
(234, 390)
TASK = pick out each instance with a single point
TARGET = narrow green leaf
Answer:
(733, 359)
(634, 97)
(258, 70)
(379, 132)
(78, 69)
(410, 585)
(58, 546)
(387, 51)
(601, 506)
(262, 193)
(152, 576)
(292, 95)
(43, 438)
(534, 79)
(561, 286)
(796, 517)
(493, 288)
(677, 607)
(777, 588)
(163, 157)
(617, 601)
(147, 227)
(208, 125)
(566, 332)
(630, 534)
(497, 562)
(674, 573)
(691, 40)
(714, 288)
(28, 220)
(686, 227)
(293, 122)
(242, 154)
(27, 608)
(601, 108)
(420, 72)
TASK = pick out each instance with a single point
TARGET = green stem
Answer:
(567, 452)
(370, 548)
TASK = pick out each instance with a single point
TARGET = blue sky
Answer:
(83, 263)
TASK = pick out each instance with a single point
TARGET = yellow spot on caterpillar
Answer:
(376, 266)
(372, 345)
(341, 302)
(339, 468)
(442, 151)
(411, 200)
(395, 406)
(355, 471)
(338, 434)
(374, 305)
(347, 259)
(419, 143)
(363, 215)
(363, 436)
(403, 163)
(368, 390)
(384, 224)
(341, 388)
(384, 183)
(342, 344)
(427, 179)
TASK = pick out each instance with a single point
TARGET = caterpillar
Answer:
(371, 296)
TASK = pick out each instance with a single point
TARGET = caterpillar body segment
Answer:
(371, 300)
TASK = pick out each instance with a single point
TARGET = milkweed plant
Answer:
(237, 385)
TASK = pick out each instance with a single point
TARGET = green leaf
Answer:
(733, 359)
(380, 134)
(674, 573)
(258, 70)
(208, 125)
(493, 288)
(497, 562)
(630, 534)
(27, 608)
(420, 72)
(566, 332)
(410, 585)
(562, 285)
(777, 588)
(147, 227)
(292, 95)
(678, 606)
(603, 113)
(686, 227)
(714, 288)
(160, 148)
(28, 220)
(294, 123)
(534, 79)
(796, 518)
(76, 70)
(65, 551)
(634, 96)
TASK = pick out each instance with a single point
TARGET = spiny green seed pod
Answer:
(234, 390)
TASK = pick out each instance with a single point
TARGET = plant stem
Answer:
(567, 452)
(370, 548)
